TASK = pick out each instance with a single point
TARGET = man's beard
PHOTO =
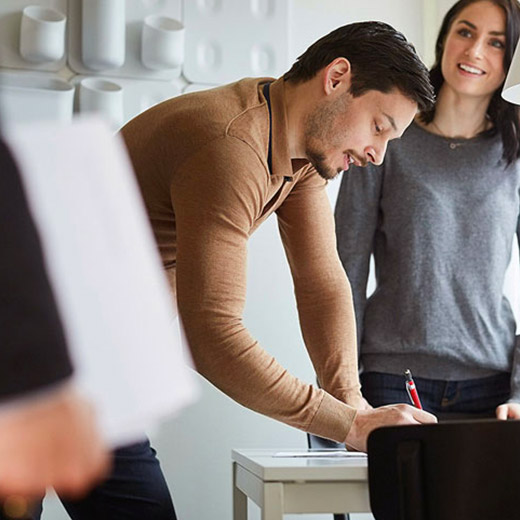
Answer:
(318, 160)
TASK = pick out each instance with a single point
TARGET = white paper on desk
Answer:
(106, 273)
(322, 454)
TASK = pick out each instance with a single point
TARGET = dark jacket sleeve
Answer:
(33, 351)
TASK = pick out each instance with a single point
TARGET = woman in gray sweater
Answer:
(440, 216)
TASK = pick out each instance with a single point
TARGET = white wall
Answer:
(313, 19)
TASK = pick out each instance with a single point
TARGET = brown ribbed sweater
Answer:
(201, 162)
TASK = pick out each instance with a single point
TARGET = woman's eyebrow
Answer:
(473, 26)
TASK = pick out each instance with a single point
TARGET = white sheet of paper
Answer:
(106, 273)
(322, 454)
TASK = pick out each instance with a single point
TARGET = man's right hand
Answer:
(389, 415)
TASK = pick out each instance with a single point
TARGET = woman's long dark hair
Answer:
(504, 116)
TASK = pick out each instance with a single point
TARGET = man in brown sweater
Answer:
(214, 165)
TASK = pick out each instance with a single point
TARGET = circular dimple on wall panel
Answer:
(261, 59)
(209, 55)
(209, 6)
(262, 8)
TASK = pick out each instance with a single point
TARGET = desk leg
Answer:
(272, 508)
(239, 499)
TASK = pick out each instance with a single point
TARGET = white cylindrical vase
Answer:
(42, 34)
(162, 42)
(103, 31)
(102, 97)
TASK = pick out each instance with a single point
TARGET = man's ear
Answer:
(337, 76)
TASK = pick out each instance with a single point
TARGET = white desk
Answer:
(280, 485)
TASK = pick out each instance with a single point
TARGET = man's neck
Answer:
(299, 100)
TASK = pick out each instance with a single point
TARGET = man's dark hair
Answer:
(381, 59)
(504, 116)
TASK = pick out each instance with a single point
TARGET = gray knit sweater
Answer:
(440, 222)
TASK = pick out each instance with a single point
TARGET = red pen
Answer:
(412, 391)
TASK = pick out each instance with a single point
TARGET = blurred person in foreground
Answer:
(48, 434)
